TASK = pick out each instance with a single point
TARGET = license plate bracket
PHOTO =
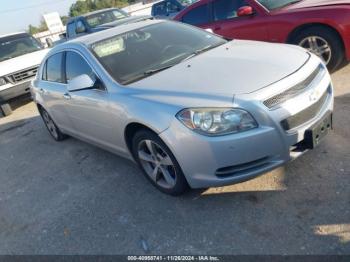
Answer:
(315, 134)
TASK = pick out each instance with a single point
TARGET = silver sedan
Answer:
(191, 108)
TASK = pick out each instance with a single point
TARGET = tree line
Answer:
(82, 7)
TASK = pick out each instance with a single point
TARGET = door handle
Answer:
(217, 28)
(67, 96)
(41, 91)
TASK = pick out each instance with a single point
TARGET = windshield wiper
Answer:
(201, 50)
(156, 70)
(147, 73)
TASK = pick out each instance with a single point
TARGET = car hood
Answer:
(317, 3)
(238, 67)
(127, 20)
(22, 62)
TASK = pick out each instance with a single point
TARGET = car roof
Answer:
(91, 13)
(105, 34)
(99, 11)
(13, 34)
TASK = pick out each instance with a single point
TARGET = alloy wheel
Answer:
(50, 124)
(157, 164)
(319, 46)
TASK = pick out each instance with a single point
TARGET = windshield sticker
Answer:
(109, 47)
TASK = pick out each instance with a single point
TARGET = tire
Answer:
(322, 36)
(54, 131)
(158, 163)
(5, 110)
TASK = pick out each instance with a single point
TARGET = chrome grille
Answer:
(23, 75)
(295, 90)
(305, 115)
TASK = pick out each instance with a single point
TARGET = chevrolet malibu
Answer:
(191, 108)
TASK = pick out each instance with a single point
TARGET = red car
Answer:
(322, 26)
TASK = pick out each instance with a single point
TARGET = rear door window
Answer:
(54, 68)
(197, 16)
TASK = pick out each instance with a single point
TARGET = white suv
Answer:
(20, 56)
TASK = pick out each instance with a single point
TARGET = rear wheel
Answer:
(54, 131)
(323, 42)
(158, 163)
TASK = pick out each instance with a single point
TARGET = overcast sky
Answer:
(16, 15)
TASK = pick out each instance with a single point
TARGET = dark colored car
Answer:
(99, 20)
(321, 26)
(169, 8)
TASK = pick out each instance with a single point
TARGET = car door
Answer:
(52, 89)
(88, 109)
(227, 23)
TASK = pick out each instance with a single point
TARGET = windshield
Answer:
(105, 17)
(140, 53)
(17, 45)
(276, 4)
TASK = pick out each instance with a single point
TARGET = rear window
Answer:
(197, 16)
(105, 17)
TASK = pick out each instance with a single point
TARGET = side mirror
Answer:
(245, 11)
(81, 82)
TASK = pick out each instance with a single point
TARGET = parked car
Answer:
(99, 20)
(190, 107)
(167, 9)
(321, 26)
(20, 56)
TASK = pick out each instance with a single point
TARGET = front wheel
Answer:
(323, 42)
(54, 131)
(158, 163)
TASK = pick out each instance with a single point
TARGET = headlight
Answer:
(2, 81)
(217, 121)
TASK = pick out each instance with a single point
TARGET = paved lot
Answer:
(73, 198)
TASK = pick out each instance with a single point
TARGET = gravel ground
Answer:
(74, 198)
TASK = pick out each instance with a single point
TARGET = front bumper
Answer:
(14, 91)
(223, 160)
